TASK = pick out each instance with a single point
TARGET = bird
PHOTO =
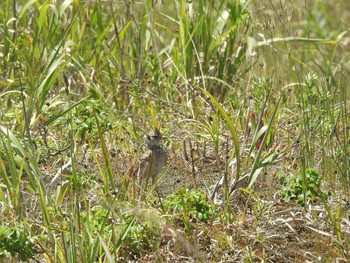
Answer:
(154, 159)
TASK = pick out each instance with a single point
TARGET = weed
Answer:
(16, 241)
(193, 203)
(293, 187)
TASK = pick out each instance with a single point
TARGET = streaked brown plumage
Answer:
(153, 161)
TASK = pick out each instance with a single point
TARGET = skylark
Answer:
(153, 161)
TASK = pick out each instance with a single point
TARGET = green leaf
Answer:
(232, 129)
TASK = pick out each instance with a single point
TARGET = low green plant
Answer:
(144, 235)
(193, 203)
(15, 241)
(85, 120)
(293, 187)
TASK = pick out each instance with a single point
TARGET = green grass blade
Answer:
(229, 122)
(257, 163)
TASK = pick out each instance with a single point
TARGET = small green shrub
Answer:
(293, 187)
(195, 202)
(15, 241)
(144, 235)
(85, 121)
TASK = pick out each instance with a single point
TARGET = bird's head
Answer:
(154, 139)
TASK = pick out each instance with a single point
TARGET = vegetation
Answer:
(294, 187)
(252, 99)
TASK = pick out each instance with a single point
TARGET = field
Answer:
(251, 98)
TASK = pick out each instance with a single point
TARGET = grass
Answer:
(251, 97)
